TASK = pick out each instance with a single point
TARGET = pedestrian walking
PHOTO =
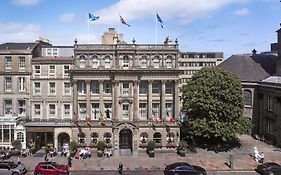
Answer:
(69, 161)
(46, 157)
(18, 161)
(120, 168)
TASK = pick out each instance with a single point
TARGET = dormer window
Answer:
(95, 62)
(156, 62)
(82, 62)
(107, 62)
(143, 62)
(125, 62)
(169, 62)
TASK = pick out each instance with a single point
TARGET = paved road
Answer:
(156, 172)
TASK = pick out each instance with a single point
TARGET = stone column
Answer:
(176, 99)
(136, 101)
(56, 142)
(115, 114)
(75, 96)
(101, 103)
(163, 99)
(88, 97)
(149, 99)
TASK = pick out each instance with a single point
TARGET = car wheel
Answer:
(15, 173)
(37, 173)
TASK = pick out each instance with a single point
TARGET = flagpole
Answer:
(156, 30)
(88, 29)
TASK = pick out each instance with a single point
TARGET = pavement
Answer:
(211, 161)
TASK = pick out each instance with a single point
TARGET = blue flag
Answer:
(92, 17)
(123, 21)
(160, 20)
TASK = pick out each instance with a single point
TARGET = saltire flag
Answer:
(93, 17)
(75, 117)
(160, 20)
(123, 21)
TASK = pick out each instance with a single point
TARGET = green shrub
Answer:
(73, 146)
(17, 144)
(151, 145)
(101, 145)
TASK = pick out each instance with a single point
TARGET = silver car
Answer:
(11, 168)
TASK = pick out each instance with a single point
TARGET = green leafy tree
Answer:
(214, 104)
(17, 144)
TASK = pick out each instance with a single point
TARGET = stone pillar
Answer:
(136, 101)
(75, 96)
(176, 99)
(88, 97)
(163, 99)
(115, 116)
(56, 142)
(101, 103)
(149, 99)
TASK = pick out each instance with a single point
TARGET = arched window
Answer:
(169, 62)
(143, 62)
(95, 62)
(81, 137)
(157, 137)
(125, 61)
(143, 137)
(170, 137)
(82, 62)
(94, 137)
(107, 62)
(107, 137)
(156, 62)
(247, 97)
(20, 136)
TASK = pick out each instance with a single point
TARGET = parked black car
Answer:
(269, 168)
(182, 168)
(5, 155)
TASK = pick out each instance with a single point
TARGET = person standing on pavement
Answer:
(69, 161)
(120, 168)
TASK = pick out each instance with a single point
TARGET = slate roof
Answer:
(250, 67)
(17, 46)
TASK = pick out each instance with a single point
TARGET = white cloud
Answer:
(67, 17)
(25, 2)
(183, 11)
(241, 12)
(17, 32)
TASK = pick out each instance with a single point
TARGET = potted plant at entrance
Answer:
(182, 148)
(73, 148)
(150, 148)
(100, 148)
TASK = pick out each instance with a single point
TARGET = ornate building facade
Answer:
(133, 89)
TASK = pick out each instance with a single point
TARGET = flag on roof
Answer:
(123, 21)
(160, 20)
(93, 17)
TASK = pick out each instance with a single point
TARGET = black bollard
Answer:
(231, 161)
(120, 168)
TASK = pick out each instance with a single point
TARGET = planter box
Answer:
(151, 153)
(181, 153)
(100, 153)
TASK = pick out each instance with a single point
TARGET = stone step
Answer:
(125, 152)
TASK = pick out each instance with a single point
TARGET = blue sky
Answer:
(229, 26)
